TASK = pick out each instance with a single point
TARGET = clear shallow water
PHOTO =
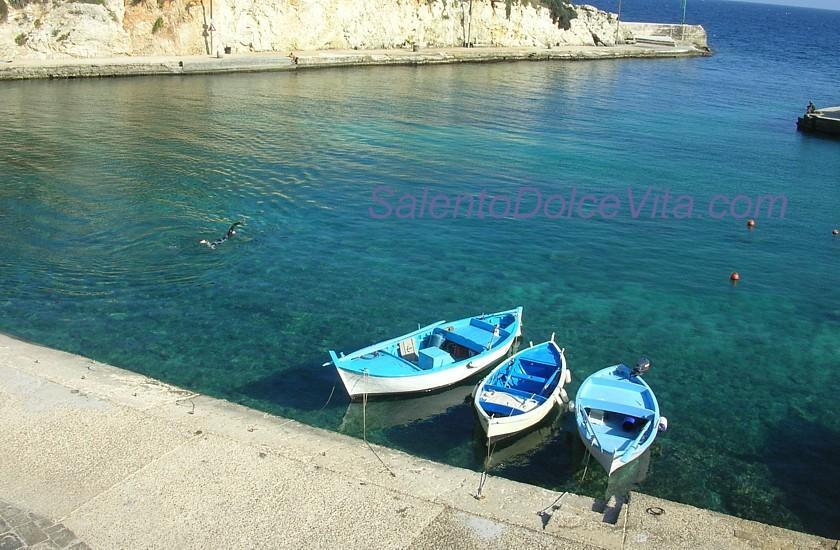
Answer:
(108, 185)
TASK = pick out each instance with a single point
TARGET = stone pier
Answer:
(92, 456)
(320, 59)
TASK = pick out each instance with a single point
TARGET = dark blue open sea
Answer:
(107, 186)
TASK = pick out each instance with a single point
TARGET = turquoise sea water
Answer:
(108, 185)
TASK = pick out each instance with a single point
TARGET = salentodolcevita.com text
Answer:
(532, 202)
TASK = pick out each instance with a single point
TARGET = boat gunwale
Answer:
(637, 444)
(342, 362)
(549, 399)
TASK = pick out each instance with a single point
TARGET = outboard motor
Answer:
(642, 366)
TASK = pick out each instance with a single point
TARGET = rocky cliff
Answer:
(32, 29)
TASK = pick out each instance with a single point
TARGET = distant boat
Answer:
(617, 415)
(433, 357)
(520, 392)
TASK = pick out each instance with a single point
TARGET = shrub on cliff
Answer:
(4, 11)
(562, 13)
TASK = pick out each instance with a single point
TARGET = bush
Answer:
(4, 11)
(158, 25)
(21, 39)
(562, 13)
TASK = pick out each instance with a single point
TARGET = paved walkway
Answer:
(118, 460)
(21, 529)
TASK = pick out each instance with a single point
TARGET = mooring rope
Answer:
(190, 399)
(328, 398)
(585, 468)
(288, 420)
(483, 478)
(624, 528)
(553, 505)
(364, 428)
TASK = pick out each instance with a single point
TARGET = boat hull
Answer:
(360, 384)
(607, 461)
(616, 392)
(498, 428)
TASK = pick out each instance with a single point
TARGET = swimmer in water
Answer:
(230, 233)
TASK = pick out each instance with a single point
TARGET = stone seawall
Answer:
(92, 456)
(148, 66)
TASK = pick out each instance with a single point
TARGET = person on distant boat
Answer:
(230, 233)
(811, 108)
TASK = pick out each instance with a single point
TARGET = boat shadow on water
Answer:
(388, 412)
(315, 386)
(518, 449)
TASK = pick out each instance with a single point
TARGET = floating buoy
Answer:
(735, 277)
(663, 424)
(750, 224)
(835, 231)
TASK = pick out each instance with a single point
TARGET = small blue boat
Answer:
(520, 392)
(617, 415)
(436, 356)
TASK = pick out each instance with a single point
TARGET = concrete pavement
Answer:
(118, 460)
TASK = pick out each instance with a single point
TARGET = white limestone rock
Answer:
(178, 27)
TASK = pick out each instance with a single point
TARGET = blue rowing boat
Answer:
(436, 356)
(617, 415)
(521, 391)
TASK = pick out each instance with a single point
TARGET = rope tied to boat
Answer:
(586, 467)
(483, 478)
(364, 426)
(545, 515)
(328, 398)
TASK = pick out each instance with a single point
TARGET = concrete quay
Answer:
(821, 121)
(259, 62)
(92, 456)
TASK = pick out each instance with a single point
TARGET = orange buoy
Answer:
(750, 224)
(735, 277)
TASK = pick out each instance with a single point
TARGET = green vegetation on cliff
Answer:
(562, 12)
